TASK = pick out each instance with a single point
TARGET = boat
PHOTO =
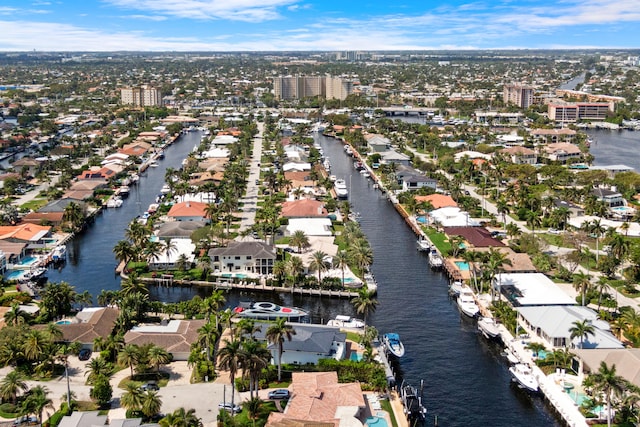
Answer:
(165, 189)
(114, 202)
(264, 310)
(435, 260)
(154, 164)
(123, 191)
(365, 173)
(341, 188)
(455, 287)
(358, 165)
(348, 150)
(393, 344)
(332, 178)
(466, 303)
(512, 358)
(412, 402)
(346, 322)
(488, 327)
(524, 376)
(59, 253)
(423, 245)
(354, 216)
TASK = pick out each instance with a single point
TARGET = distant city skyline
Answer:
(317, 25)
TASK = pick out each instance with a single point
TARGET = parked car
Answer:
(553, 231)
(85, 354)
(150, 386)
(281, 393)
(25, 420)
(229, 408)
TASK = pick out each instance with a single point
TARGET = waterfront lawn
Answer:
(386, 405)
(438, 239)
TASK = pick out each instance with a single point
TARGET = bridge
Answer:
(409, 111)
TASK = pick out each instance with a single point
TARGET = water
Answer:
(90, 260)
(571, 84)
(467, 381)
(612, 147)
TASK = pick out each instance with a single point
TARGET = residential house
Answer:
(188, 211)
(451, 217)
(609, 196)
(518, 262)
(174, 336)
(521, 155)
(94, 419)
(304, 208)
(561, 152)
(551, 136)
(89, 324)
(377, 143)
(393, 157)
(410, 181)
(553, 325)
(318, 400)
(296, 167)
(574, 210)
(32, 234)
(13, 252)
(311, 226)
(136, 148)
(300, 179)
(28, 165)
(309, 344)
(95, 172)
(475, 237)
(243, 257)
(178, 229)
(437, 200)
(169, 259)
(530, 289)
(626, 361)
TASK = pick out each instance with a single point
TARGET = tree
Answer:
(277, 333)
(96, 368)
(229, 356)
(124, 252)
(157, 356)
(365, 303)
(36, 401)
(181, 418)
(319, 264)
(129, 356)
(151, 404)
(133, 398)
(607, 381)
(101, 391)
(253, 407)
(16, 316)
(11, 385)
(294, 268)
(581, 329)
(300, 240)
(341, 260)
(73, 215)
(254, 358)
(582, 282)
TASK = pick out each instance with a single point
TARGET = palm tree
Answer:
(133, 398)
(129, 356)
(601, 286)
(151, 404)
(16, 316)
(35, 344)
(37, 401)
(365, 303)
(97, 367)
(294, 268)
(619, 246)
(319, 263)
(533, 220)
(181, 418)
(157, 356)
(73, 215)
(207, 336)
(496, 261)
(253, 407)
(596, 228)
(11, 385)
(361, 253)
(607, 381)
(341, 260)
(124, 252)
(254, 358)
(581, 329)
(230, 360)
(277, 334)
(300, 240)
(582, 282)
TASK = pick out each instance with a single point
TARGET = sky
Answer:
(316, 25)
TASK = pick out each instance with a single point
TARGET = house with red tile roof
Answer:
(136, 148)
(437, 200)
(477, 237)
(188, 211)
(97, 173)
(24, 233)
(305, 208)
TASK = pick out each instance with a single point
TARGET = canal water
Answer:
(90, 260)
(615, 147)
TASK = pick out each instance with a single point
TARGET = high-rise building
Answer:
(297, 87)
(518, 94)
(572, 112)
(143, 96)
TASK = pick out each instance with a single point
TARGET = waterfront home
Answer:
(49, 218)
(61, 204)
(28, 165)
(574, 210)
(318, 399)
(97, 173)
(552, 136)
(552, 324)
(243, 257)
(451, 217)
(626, 361)
(310, 226)
(437, 200)
(199, 178)
(136, 148)
(613, 170)
(81, 190)
(188, 211)
(173, 252)
(609, 196)
(410, 181)
(89, 324)
(530, 289)
(474, 237)
(12, 253)
(93, 419)
(309, 344)
(561, 152)
(33, 235)
(471, 155)
(304, 208)
(174, 336)
(393, 157)
(520, 155)
(178, 229)
(377, 143)
(520, 262)
(296, 166)
(300, 179)
(213, 164)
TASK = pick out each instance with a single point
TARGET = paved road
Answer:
(250, 199)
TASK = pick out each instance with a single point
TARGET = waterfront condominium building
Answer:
(297, 87)
(573, 112)
(518, 94)
(143, 96)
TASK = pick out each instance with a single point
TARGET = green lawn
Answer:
(386, 405)
(33, 205)
(440, 240)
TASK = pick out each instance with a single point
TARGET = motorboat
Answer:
(455, 287)
(488, 327)
(333, 178)
(341, 188)
(412, 402)
(123, 191)
(354, 216)
(346, 322)
(114, 202)
(423, 245)
(435, 260)
(512, 358)
(467, 303)
(264, 310)
(154, 164)
(59, 253)
(524, 376)
(165, 189)
(393, 344)
(365, 173)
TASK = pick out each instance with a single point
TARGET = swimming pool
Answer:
(376, 422)
(624, 210)
(14, 275)
(348, 280)
(422, 219)
(63, 322)
(237, 275)
(28, 260)
(356, 357)
(462, 266)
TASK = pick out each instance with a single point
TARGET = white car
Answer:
(553, 231)
(227, 407)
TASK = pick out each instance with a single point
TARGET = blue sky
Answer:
(252, 25)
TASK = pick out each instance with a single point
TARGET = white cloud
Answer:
(147, 17)
(237, 10)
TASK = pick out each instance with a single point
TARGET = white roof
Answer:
(634, 227)
(525, 289)
(181, 246)
(224, 140)
(296, 167)
(219, 153)
(170, 328)
(472, 155)
(310, 226)
(452, 217)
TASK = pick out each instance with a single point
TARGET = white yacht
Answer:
(59, 253)
(455, 287)
(346, 322)
(435, 260)
(523, 374)
(423, 245)
(264, 310)
(341, 188)
(488, 327)
(466, 303)
(114, 202)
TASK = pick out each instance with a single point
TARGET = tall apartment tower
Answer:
(518, 94)
(296, 87)
(144, 96)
